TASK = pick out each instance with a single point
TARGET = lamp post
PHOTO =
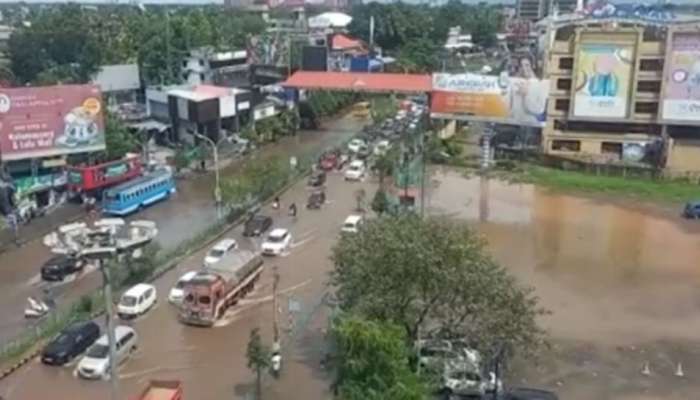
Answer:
(217, 186)
(106, 240)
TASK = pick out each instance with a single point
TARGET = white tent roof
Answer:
(330, 19)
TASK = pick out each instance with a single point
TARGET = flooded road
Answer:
(187, 213)
(622, 282)
(211, 361)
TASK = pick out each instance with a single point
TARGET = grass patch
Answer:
(656, 190)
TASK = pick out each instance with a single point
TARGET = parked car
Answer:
(692, 210)
(257, 225)
(136, 301)
(177, 293)
(352, 224)
(70, 343)
(95, 363)
(277, 242)
(382, 147)
(462, 382)
(317, 178)
(219, 250)
(355, 145)
(57, 268)
(316, 199)
(355, 171)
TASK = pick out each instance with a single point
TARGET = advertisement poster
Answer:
(50, 121)
(269, 49)
(504, 99)
(682, 91)
(604, 76)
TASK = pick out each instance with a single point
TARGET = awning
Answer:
(361, 82)
(150, 125)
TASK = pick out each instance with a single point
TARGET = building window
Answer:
(564, 84)
(653, 34)
(646, 107)
(566, 63)
(201, 77)
(564, 34)
(611, 148)
(566, 145)
(561, 104)
(649, 86)
(651, 65)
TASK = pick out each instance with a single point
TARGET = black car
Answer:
(58, 267)
(317, 178)
(316, 200)
(257, 225)
(692, 210)
(70, 343)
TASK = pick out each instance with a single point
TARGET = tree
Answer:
(419, 55)
(258, 358)
(380, 202)
(119, 140)
(435, 276)
(373, 362)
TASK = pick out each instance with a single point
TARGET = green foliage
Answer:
(419, 56)
(380, 202)
(85, 304)
(373, 362)
(435, 275)
(258, 356)
(118, 138)
(67, 43)
(257, 179)
(382, 108)
(324, 103)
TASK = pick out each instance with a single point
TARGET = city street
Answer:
(190, 211)
(211, 361)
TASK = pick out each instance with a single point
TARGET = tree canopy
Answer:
(373, 362)
(67, 43)
(434, 277)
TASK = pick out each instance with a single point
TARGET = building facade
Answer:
(624, 91)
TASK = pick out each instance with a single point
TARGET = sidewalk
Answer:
(40, 226)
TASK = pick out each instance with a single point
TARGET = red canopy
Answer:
(361, 82)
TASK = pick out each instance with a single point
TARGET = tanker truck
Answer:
(215, 288)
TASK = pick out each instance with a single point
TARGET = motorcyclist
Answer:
(293, 210)
(276, 203)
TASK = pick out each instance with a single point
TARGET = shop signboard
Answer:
(50, 121)
(603, 80)
(681, 100)
(504, 99)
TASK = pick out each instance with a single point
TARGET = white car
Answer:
(356, 145)
(352, 224)
(219, 251)
(277, 242)
(95, 363)
(136, 301)
(177, 293)
(355, 171)
(382, 147)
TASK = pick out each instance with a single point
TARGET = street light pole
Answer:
(109, 315)
(217, 187)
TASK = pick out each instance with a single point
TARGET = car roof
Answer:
(59, 258)
(138, 289)
(353, 219)
(259, 217)
(357, 162)
(187, 276)
(278, 232)
(224, 244)
(119, 332)
(78, 326)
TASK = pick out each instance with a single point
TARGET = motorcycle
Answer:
(293, 210)
(35, 309)
(276, 364)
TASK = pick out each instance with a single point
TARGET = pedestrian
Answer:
(203, 165)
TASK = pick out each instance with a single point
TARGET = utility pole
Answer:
(275, 323)
(109, 316)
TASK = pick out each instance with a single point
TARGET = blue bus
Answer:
(141, 192)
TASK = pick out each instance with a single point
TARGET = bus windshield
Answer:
(75, 177)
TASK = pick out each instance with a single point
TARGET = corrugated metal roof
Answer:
(368, 82)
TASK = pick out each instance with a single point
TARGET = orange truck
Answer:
(162, 390)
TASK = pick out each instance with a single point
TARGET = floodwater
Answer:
(187, 213)
(621, 279)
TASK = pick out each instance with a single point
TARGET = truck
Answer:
(162, 390)
(216, 287)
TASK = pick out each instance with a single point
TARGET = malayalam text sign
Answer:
(49, 121)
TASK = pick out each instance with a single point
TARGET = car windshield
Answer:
(180, 284)
(98, 351)
(63, 339)
(349, 225)
(275, 238)
(128, 301)
(217, 253)
(355, 167)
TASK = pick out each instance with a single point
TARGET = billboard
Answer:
(681, 100)
(603, 80)
(503, 99)
(50, 121)
(269, 49)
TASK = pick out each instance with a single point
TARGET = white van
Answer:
(95, 363)
(136, 301)
(352, 224)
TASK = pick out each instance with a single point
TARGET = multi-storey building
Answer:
(625, 90)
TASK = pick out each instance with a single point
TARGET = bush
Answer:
(85, 305)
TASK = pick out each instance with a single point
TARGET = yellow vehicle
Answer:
(361, 109)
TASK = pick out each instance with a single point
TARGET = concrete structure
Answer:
(629, 57)
(534, 10)
(206, 66)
